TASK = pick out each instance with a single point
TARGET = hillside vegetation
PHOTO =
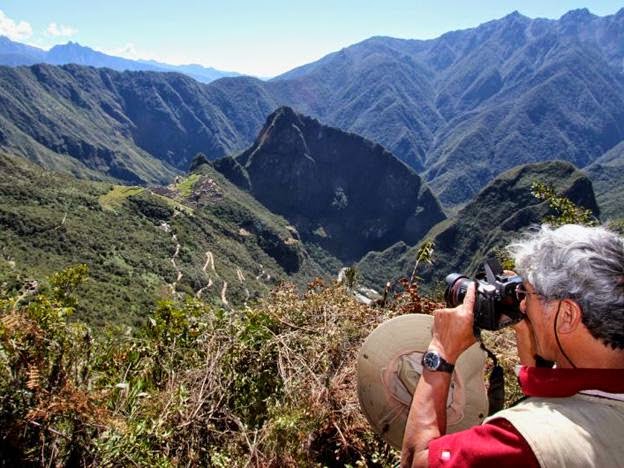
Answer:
(200, 236)
(267, 385)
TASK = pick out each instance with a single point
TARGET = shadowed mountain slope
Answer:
(498, 213)
(132, 126)
(340, 190)
(607, 175)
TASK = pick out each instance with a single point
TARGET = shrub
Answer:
(271, 384)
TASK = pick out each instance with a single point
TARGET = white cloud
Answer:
(128, 51)
(60, 30)
(15, 31)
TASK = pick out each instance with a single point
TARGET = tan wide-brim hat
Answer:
(389, 367)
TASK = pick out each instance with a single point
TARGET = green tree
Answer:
(423, 255)
(566, 212)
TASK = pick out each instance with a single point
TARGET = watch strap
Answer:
(445, 366)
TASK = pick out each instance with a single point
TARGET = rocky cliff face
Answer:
(341, 191)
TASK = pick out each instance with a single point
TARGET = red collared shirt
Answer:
(498, 443)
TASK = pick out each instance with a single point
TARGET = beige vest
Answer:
(581, 431)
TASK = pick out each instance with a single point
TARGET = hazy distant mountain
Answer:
(14, 54)
(341, 191)
(75, 53)
(199, 72)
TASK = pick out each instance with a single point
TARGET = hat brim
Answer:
(388, 370)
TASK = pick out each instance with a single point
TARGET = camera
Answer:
(496, 303)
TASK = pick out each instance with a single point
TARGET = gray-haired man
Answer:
(573, 301)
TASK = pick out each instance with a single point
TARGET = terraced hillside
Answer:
(199, 236)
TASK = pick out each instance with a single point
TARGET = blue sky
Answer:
(262, 38)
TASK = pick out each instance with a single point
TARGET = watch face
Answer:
(431, 360)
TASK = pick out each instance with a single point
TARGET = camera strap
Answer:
(496, 384)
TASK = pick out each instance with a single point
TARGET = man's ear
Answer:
(570, 316)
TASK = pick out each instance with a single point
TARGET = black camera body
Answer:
(496, 304)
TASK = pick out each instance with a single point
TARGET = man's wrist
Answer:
(448, 355)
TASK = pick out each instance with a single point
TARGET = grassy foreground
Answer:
(273, 384)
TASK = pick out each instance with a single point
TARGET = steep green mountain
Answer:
(607, 175)
(497, 214)
(136, 127)
(567, 105)
(341, 191)
(14, 54)
(200, 236)
(376, 89)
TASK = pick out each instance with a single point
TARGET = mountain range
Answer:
(15, 54)
(471, 104)
(459, 109)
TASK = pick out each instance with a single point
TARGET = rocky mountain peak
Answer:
(341, 191)
(515, 16)
(283, 124)
(578, 15)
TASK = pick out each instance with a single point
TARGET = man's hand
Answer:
(452, 335)
(453, 328)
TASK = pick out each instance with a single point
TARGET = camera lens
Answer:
(456, 287)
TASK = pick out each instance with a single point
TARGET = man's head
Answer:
(580, 264)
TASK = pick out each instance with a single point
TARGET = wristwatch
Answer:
(432, 361)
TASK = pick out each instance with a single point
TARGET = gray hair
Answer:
(585, 264)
